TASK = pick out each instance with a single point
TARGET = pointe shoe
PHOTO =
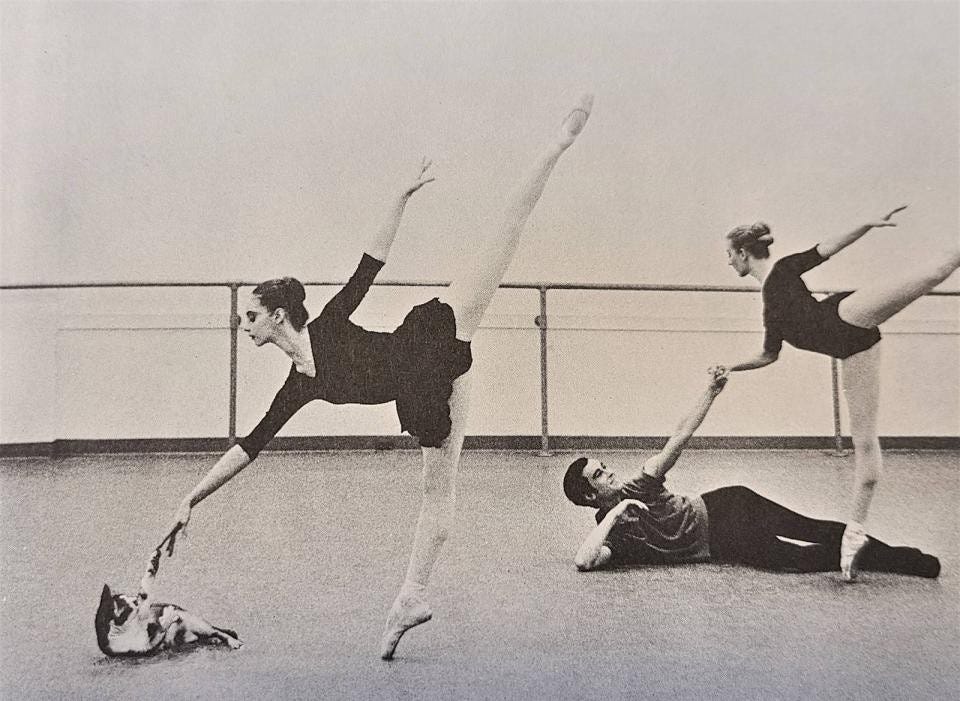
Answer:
(406, 613)
(851, 547)
(576, 120)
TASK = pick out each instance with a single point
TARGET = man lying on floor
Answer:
(640, 522)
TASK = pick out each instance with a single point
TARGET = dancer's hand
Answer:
(885, 221)
(179, 527)
(421, 178)
(719, 371)
(719, 375)
(630, 510)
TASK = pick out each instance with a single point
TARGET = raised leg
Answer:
(470, 294)
(433, 526)
(872, 305)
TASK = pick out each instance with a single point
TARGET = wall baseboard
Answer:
(60, 448)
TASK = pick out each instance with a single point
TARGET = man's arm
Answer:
(660, 464)
(593, 554)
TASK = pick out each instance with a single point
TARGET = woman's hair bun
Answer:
(293, 290)
(761, 232)
(759, 229)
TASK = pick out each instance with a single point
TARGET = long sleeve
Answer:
(346, 301)
(288, 401)
(799, 263)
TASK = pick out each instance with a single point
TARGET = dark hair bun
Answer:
(761, 232)
(285, 292)
(759, 229)
(293, 290)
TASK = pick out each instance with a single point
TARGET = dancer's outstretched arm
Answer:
(379, 246)
(832, 245)
(225, 469)
(760, 360)
(660, 464)
(593, 554)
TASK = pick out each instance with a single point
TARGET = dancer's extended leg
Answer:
(468, 296)
(872, 305)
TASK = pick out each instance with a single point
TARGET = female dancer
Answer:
(842, 326)
(423, 366)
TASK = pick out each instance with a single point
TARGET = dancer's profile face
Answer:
(257, 321)
(738, 259)
(605, 483)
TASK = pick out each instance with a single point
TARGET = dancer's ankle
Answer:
(412, 590)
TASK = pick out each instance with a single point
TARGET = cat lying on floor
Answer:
(134, 626)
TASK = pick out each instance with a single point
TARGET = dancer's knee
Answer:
(949, 262)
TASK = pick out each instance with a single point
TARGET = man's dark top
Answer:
(674, 530)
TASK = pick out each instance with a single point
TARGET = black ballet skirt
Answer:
(428, 358)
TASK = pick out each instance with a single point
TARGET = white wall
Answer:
(227, 140)
(217, 141)
(154, 363)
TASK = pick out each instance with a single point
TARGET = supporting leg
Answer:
(433, 526)
(861, 386)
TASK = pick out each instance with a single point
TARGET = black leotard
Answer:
(792, 314)
(414, 365)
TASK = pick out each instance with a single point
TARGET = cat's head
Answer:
(114, 611)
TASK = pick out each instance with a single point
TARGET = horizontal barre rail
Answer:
(541, 322)
(625, 287)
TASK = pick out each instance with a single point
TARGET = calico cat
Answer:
(133, 626)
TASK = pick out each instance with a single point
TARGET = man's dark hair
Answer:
(575, 485)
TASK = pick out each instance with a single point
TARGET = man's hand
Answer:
(629, 510)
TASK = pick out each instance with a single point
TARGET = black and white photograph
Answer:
(480, 350)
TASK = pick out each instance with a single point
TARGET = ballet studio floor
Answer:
(303, 553)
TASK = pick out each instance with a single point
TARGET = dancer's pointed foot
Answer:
(408, 611)
(851, 548)
(576, 120)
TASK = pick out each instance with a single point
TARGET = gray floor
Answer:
(303, 554)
